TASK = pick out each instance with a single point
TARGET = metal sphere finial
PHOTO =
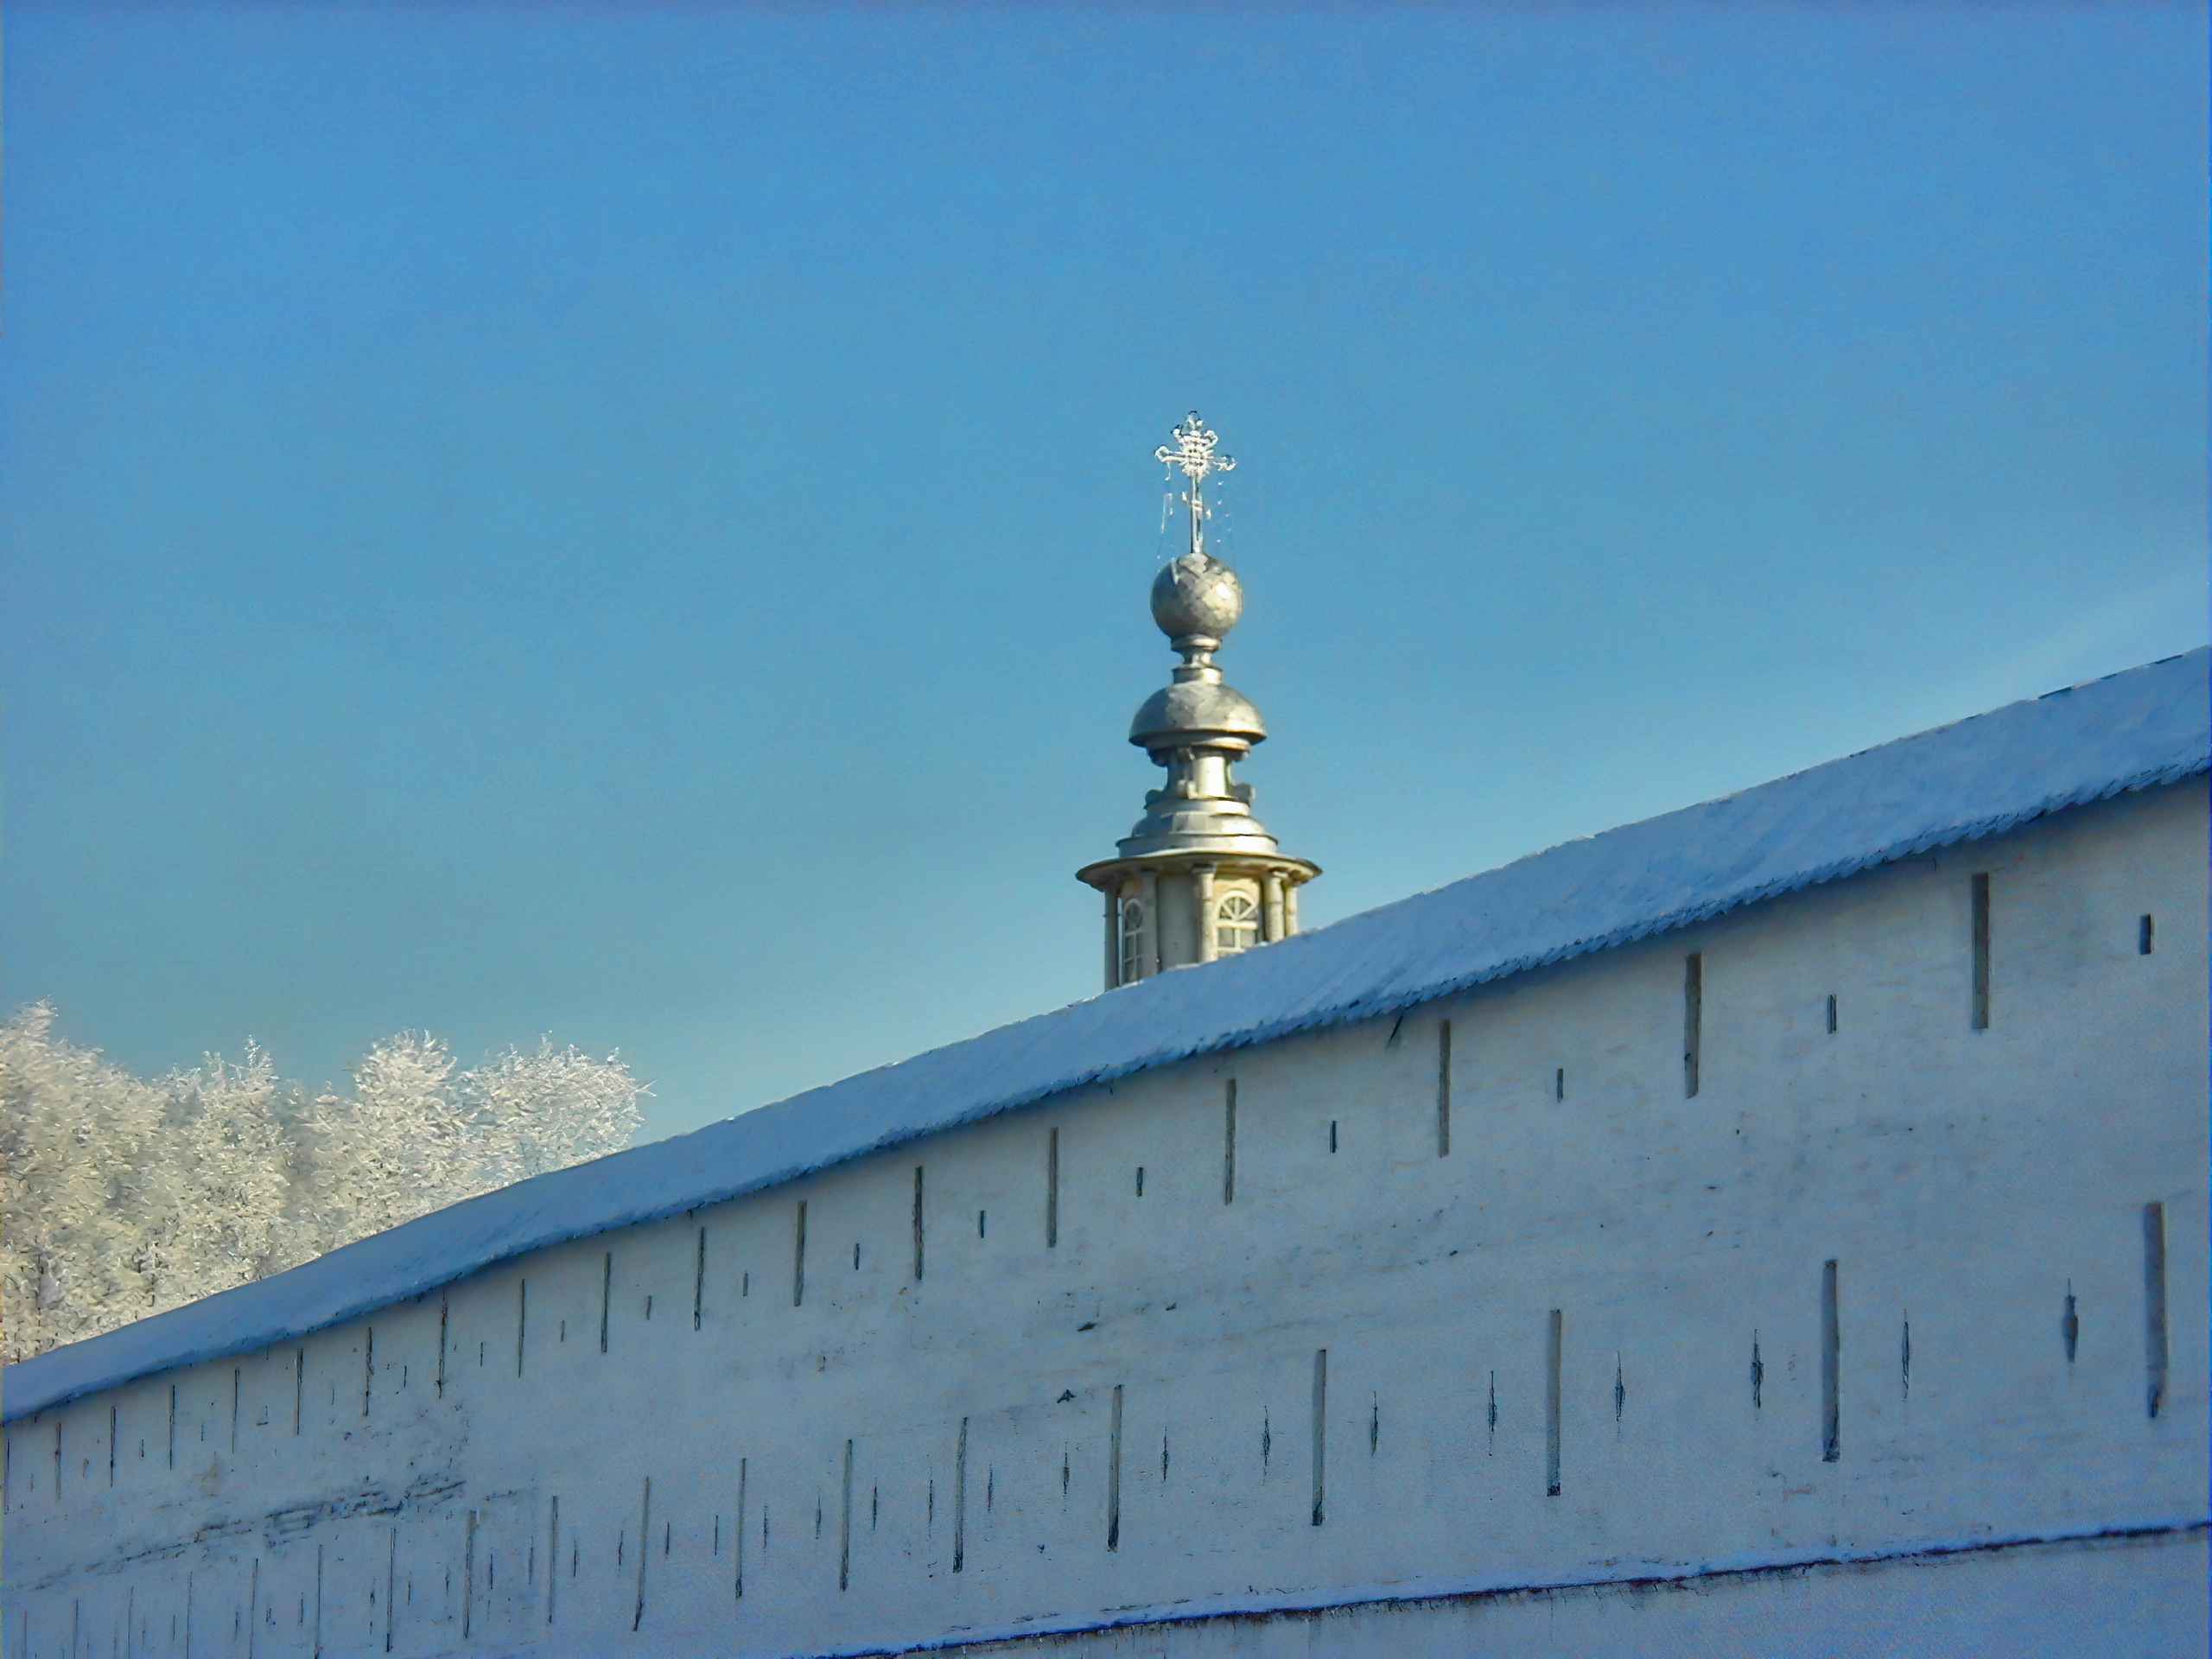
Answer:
(1196, 600)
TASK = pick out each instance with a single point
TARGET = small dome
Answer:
(1195, 709)
(1197, 593)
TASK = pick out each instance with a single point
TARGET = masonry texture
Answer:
(1350, 1360)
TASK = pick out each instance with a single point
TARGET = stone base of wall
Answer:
(2140, 1594)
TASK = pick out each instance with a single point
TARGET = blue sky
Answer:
(633, 522)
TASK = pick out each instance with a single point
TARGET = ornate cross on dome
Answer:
(1193, 453)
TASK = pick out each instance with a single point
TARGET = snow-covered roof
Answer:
(2148, 726)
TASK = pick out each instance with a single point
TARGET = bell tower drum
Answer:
(1200, 877)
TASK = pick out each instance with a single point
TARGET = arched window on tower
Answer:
(1133, 950)
(1236, 924)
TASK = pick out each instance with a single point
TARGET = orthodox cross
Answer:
(1193, 453)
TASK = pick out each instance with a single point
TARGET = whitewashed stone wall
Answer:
(1308, 1366)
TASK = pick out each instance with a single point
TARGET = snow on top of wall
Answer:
(2148, 726)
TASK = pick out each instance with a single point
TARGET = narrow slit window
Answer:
(552, 1561)
(918, 1224)
(798, 1258)
(960, 1501)
(1052, 1189)
(1444, 1088)
(2154, 1306)
(1320, 1432)
(645, 1550)
(2146, 938)
(1979, 904)
(737, 1542)
(1831, 1013)
(1551, 1405)
(1229, 1144)
(1114, 1473)
(845, 1524)
(1831, 1365)
(1559, 1083)
(1693, 1020)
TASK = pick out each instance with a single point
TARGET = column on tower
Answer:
(1113, 975)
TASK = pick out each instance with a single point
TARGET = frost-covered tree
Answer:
(222, 1184)
(395, 1148)
(80, 1138)
(123, 1197)
(548, 1110)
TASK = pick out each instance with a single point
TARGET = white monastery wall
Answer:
(1313, 1364)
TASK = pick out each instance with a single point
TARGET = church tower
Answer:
(1200, 877)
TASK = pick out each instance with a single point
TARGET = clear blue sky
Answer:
(633, 522)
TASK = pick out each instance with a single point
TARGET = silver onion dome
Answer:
(1197, 711)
